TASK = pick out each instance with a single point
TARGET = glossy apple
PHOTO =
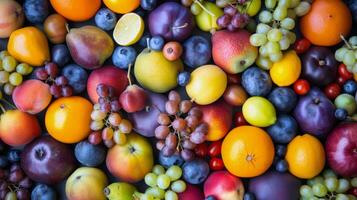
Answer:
(224, 186)
(191, 193)
(341, 149)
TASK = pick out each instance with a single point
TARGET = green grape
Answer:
(1, 95)
(8, 88)
(9, 63)
(15, 78)
(340, 53)
(270, 4)
(313, 198)
(258, 39)
(342, 197)
(274, 35)
(265, 16)
(319, 190)
(287, 23)
(349, 68)
(1, 68)
(151, 179)
(353, 41)
(284, 3)
(163, 181)
(196, 9)
(328, 173)
(174, 172)
(170, 195)
(343, 185)
(3, 54)
(263, 28)
(158, 169)
(178, 186)
(280, 13)
(97, 125)
(354, 182)
(147, 197)
(306, 191)
(4, 77)
(264, 63)
(263, 51)
(272, 47)
(294, 3)
(98, 115)
(276, 57)
(291, 36)
(355, 52)
(291, 13)
(331, 184)
(302, 9)
(349, 58)
(351, 197)
(24, 68)
(156, 192)
(315, 180)
(284, 43)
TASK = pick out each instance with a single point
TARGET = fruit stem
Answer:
(322, 62)
(345, 41)
(67, 27)
(148, 43)
(205, 9)
(179, 27)
(128, 75)
(2, 109)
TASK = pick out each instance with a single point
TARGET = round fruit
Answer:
(258, 111)
(122, 6)
(76, 10)
(129, 29)
(55, 28)
(305, 156)
(247, 151)
(68, 119)
(286, 71)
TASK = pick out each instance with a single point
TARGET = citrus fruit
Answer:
(207, 84)
(286, 71)
(129, 29)
(258, 111)
(247, 151)
(122, 6)
(326, 21)
(76, 10)
(305, 156)
(68, 118)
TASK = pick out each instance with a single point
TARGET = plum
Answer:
(77, 77)
(256, 82)
(195, 171)
(60, 55)
(36, 11)
(197, 51)
(168, 161)
(43, 192)
(105, 19)
(284, 99)
(90, 155)
(284, 129)
(148, 4)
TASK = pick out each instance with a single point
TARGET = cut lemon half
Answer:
(128, 29)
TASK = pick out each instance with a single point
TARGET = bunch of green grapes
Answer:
(12, 72)
(348, 54)
(328, 187)
(275, 32)
(163, 184)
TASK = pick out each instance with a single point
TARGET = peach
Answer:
(11, 17)
(224, 186)
(32, 96)
(18, 128)
(218, 116)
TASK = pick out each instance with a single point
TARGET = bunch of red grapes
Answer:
(59, 86)
(180, 128)
(232, 19)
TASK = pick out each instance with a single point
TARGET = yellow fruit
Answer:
(287, 70)
(129, 29)
(207, 19)
(258, 111)
(207, 84)
(253, 7)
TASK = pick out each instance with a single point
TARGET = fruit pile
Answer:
(178, 100)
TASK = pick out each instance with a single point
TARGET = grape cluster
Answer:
(163, 184)
(59, 86)
(224, 3)
(328, 187)
(348, 54)
(12, 72)
(180, 128)
(232, 19)
(14, 184)
(107, 123)
(275, 32)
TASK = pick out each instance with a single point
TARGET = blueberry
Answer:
(143, 42)
(89, 155)
(36, 11)
(248, 196)
(281, 166)
(256, 82)
(4, 162)
(197, 51)
(168, 161)
(14, 155)
(148, 4)
(284, 129)
(183, 78)
(43, 192)
(60, 55)
(284, 99)
(105, 19)
(210, 198)
(280, 150)
(77, 77)
(195, 171)
(123, 57)
(157, 43)
(341, 114)
(350, 87)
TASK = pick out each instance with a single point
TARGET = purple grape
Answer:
(115, 106)
(105, 107)
(67, 91)
(56, 91)
(197, 137)
(238, 21)
(102, 90)
(41, 74)
(224, 20)
(51, 69)
(167, 151)
(187, 155)
(230, 10)
(61, 81)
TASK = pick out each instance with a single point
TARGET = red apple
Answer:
(191, 193)
(133, 98)
(108, 75)
(224, 186)
(341, 149)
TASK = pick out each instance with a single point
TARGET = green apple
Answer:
(347, 102)
(206, 20)
(120, 190)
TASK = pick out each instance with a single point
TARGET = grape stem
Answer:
(205, 9)
(345, 41)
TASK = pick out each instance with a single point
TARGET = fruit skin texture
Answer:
(68, 118)
(249, 146)
(196, 51)
(29, 45)
(90, 155)
(205, 21)
(341, 145)
(32, 96)
(195, 171)
(207, 84)
(258, 111)
(286, 71)
(232, 51)
(135, 154)
(133, 99)
(218, 117)
(119, 190)
(18, 128)
(76, 10)
(11, 17)
(77, 77)
(55, 28)
(36, 11)
(284, 99)
(89, 46)
(154, 72)
(284, 130)
(122, 6)
(256, 81)
(305, 156)
(86, 183)
(191, 193)
(316, 24)
(43, 192)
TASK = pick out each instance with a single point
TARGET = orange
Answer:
(286, 71)
(68, 119)
(247, 151)
(326, 21)
(76, 10)
(305, 156)
(122, 6)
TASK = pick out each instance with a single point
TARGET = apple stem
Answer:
(128, 75)
(322, 62)
(345, 41)
(179, 27)
(205, 9)
(148, 43)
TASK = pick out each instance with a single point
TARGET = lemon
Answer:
(286, 71)
(258, 111)
(129, 29)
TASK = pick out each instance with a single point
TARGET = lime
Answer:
(129, 29)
